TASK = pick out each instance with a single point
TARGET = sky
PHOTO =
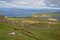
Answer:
(50, 4)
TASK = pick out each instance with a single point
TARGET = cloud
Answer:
(52, 3)
(30, 3)
(20, 2)
(38, 3)
(6, 4)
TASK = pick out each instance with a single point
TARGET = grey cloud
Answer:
(42, 3)
(55, 3)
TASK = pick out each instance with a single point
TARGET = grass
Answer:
(39, 33)
(42, 34)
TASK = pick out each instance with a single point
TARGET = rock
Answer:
(11, 33)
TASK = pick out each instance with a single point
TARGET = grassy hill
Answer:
(52, 33)
(35, 27)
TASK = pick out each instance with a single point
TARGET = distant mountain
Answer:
(13, 12)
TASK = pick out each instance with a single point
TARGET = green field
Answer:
(30, 28)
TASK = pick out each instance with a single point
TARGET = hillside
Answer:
(37, 34)
(48, 15)
(35, 27)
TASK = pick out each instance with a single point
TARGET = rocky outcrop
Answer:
(3, 19)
